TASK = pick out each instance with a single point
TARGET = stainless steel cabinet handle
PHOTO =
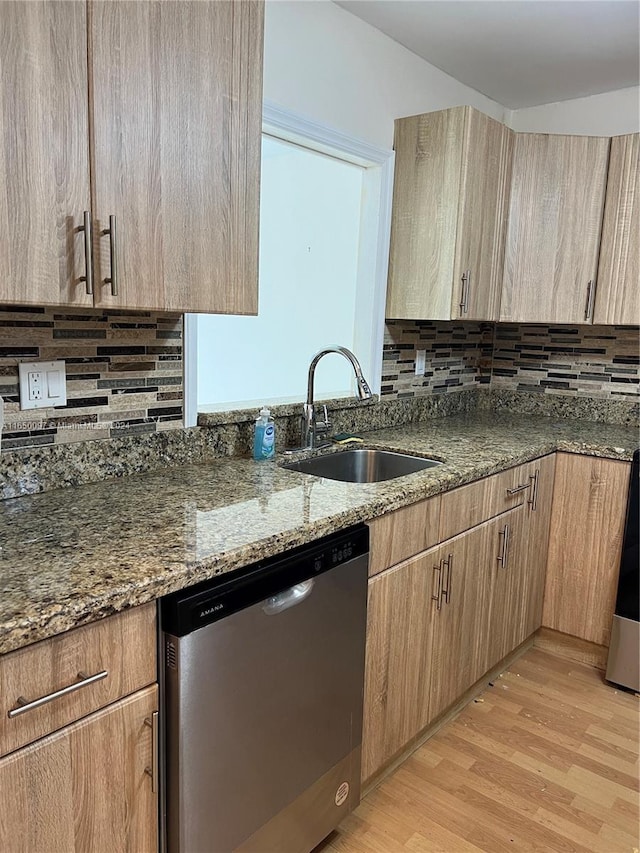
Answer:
(533, 500)
(446, 591)
(466, 285)
(503, 556)
(591, 297)
(516, 489)
(85, 680)
(113, 257)
(153, 771)
(438, 596)
(88, 266)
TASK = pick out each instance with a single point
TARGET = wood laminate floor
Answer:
(545, 760)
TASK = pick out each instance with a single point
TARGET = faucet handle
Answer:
(323, 427)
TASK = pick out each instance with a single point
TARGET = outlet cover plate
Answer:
(43, 384)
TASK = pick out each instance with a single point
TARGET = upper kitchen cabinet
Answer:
(618, 296)
(553, 233)
(177, 110)
(146, 116)
(449, 202)
(44, 156)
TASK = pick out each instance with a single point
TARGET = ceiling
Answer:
(518, 52)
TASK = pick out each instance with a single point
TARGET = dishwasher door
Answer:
(264, 719)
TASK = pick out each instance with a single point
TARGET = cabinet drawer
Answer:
(470, 505)
(403, 533)
(120, 650)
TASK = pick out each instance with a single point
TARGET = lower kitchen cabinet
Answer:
(539, 507)
(397, 660)
(441, 619)
(460, 570)
(428, 623)
(85, 787)
(77, 724)
(504, 549)
(520, 562)
(585, 544)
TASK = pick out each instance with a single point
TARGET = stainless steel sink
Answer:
(361, 465)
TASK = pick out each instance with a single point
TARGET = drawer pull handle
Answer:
(23, 705)
(155, 755)
(516, 489)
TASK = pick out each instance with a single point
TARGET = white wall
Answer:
(609, 114)
(325, 64)
(310, 209)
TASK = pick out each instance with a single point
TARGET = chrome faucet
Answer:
(311, 428)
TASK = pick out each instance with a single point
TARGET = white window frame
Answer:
(374, 235)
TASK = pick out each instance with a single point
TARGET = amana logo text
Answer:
(211, 610)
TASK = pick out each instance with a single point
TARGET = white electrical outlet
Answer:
(42, 384)
(34, 385)
(421, 362)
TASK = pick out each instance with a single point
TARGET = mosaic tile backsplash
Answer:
(589, 361)
(593, 361)
(124, 368)
(124, 373)
(457, 356)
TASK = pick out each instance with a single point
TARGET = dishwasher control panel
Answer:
(192, 608)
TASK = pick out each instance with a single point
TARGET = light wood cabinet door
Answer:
(396, 684)
(538, 521)
(618, 295)
(457, 655)
(85, 787)
(177, 109)
(503, 553)
(486, 179)
(44, 156)
(553, 232)
(451, 182)
(585, 544)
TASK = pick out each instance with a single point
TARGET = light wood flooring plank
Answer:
(527, 794)
(519, 812)
(546, 759)
(626, 821)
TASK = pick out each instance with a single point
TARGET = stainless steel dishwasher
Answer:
(263, 684)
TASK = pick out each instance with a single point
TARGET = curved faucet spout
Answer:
(310, 428)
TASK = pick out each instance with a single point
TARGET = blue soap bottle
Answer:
(264, 441)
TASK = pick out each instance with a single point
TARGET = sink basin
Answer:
(362, 466)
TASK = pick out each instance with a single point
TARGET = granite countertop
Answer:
(69, 557)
